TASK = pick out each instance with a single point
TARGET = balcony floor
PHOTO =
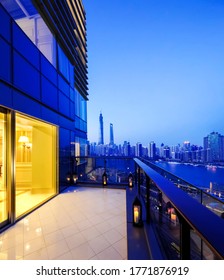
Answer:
(79, 224)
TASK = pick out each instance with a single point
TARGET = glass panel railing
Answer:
(208, 254)
(92, 169)
(181, 232)
(166, 223)
(212, 199)
(196, 246)
(164, 218)
(213, 204)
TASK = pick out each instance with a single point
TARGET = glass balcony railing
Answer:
(186, 221)
(213, 200)
(90, 170)
(185, 229)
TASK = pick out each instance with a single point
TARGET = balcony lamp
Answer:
(130, 180)
(137, 213)
(104, 179)
(75, 178)
(173, 215)
(68, 177)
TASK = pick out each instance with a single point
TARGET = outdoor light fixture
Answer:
(72, 178)
(104, 179)
(104, 176)
(173, 216)
(137, 213)
(130, 180)
(68, 177)
(75, 178)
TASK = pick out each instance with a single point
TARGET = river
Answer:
(198, 175)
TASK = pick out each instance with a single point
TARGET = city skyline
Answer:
(212, 150)
(155, 69)
(110, 126)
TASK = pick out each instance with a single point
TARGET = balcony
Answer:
(93, 218)
(80, 223)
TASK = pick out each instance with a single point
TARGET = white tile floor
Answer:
(82, 223)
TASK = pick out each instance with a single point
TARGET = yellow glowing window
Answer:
(36, 154)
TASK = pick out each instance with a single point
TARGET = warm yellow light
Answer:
(23, 139)
(136, 214)
(173, 217)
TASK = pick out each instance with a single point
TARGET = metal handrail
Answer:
(208, 226)
(154, 166)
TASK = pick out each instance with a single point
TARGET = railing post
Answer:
(160, 199)
(185, 239)
(136, 173)
(139, 179)
(147, 199)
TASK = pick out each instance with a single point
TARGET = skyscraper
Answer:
(101, 139)
(138, 151)
(214, 147)
(111, 134)
(43, 83)
(152, 150)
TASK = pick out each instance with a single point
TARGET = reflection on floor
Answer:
(81, 223)
(26, 200)
(3, 210)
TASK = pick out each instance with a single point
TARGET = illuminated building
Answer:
(111, 134)
(152, 150)
(43, 85)
(101, 138)
(214, 147)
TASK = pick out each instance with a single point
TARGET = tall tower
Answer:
(152, 150)
(138, 151)
(101, 141)
(214, 147)
(111, 134)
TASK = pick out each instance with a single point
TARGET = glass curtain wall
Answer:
(35, 164)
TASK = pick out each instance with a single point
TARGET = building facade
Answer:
(101, 134)
(214, 147)
(111, 134)
(43, 96)
(152, 150)
(138, 150)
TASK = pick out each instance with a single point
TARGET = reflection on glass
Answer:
(35, 163)
(3, 189)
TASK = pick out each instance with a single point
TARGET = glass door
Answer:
(4, 211)
(35, 164)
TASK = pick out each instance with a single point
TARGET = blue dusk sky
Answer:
(156, 69)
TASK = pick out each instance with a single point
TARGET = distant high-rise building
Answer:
(214, 147)
(126, 148)
(161, 150)
(101, 139)
(111, 134)
(152, 150)
(138, 151)
(166, 152)
(187, 145)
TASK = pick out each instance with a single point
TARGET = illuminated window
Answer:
(3, 187)
(36, 165)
